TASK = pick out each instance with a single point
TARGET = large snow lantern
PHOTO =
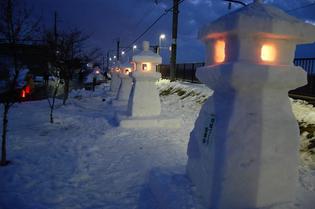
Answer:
(144, 106)
(243, 150)
(125, 85)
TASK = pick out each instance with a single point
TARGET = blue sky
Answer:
(106, 20)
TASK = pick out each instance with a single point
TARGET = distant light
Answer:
(123, 52)
(115, 57)
(97, 72)
(268, 53)
(162, 36)
(134, 47)
(110, 59)
(170, 48)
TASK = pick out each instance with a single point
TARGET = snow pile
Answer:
(305, 114)
(80, 93)
(187, 92)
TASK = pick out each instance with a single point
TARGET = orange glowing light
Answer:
(23, 94)
(219, 54)
(146, 67)
(127, 71)
(268, 53)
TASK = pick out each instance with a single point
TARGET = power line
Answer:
(302, 7)
(148, 28)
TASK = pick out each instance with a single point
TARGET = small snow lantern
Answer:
(243, 150)
(144, 106)
(125, 85)
(115, 80)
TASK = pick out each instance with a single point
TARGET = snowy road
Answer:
(84, 162)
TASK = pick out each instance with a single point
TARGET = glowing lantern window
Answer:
(219, 51)
(268, 53)
(146, 67)
(127, 71)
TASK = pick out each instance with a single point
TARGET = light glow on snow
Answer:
(268, 53)
(219, 56)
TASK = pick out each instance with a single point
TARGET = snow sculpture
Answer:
(144, 106)
(243, 150)
(125, 85)
(115, 80)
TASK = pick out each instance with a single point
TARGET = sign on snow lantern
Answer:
(243, 150)
(125, 85)
(144, 106)
(115, 80)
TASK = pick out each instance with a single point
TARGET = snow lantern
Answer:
(125, 85)
(144, 106)
(115, 79)
(243, 150)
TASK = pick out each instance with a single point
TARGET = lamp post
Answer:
(134, 48)
(162, 37)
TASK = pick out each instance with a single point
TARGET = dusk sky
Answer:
(106, 20)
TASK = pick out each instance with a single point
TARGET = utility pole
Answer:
(118, 47)
(55, 27)
(174, 39)
(107, 61)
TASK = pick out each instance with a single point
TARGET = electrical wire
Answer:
(302, 7)
(150, 26)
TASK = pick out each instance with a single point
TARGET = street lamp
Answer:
(134, 47)
(123, 53)
(162, 37)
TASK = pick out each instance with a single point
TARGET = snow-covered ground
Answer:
(84, 161)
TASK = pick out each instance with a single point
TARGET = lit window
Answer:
(268, 53)
(219, 54)
(127, 71)
(146, 67)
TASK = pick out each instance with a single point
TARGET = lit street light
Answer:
(162, 37)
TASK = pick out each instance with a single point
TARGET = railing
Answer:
(308, 64)
(187, 71)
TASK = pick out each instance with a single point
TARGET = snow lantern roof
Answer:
(147, 55)
(260, 19)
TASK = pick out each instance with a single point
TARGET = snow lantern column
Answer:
(125, 85)
(243, 150)
(115, 80)
(144, 106)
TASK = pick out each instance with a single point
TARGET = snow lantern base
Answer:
(147, 122)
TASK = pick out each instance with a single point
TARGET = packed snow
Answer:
(84, 161)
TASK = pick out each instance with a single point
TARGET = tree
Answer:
(67, 55)
(17, 25)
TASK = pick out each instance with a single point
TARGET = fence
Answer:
(187, 71)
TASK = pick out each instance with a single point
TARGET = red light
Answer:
(27, 89)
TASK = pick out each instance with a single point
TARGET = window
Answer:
(219, 54)
(268, 53)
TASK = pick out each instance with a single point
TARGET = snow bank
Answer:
(79, 93)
